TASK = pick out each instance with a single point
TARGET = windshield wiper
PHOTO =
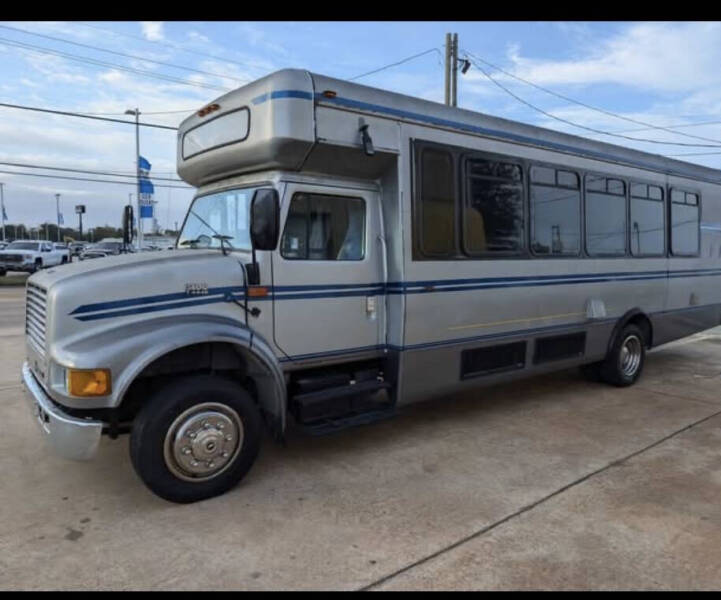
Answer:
(219, 236)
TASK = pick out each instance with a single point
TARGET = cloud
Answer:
(197, 37)
(666, 57)
(153, 30)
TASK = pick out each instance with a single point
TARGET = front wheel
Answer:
(624, 362)
(37, 266)
(195, 438)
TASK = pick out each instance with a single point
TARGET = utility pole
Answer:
(454, 71)
(2, 208)
(136, 112)
(57, 213)
(448, 70)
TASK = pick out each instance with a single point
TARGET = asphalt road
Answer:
(547, 483)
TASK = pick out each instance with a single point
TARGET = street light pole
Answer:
(2, 208)
(57, 213)
(136, 112)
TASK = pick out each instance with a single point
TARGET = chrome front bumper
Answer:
(68, 436)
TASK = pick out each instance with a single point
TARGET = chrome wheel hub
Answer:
(203, 441)
(630, 358)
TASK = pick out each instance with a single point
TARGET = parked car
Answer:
(3, 244)
(76, 248)
(105, 247)
(31, 256)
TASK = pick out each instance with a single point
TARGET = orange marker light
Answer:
(95, 382)
(329, 94)
(257, 292)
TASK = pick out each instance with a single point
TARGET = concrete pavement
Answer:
(547, 483)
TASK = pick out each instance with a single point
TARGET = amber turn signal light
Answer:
(91, 382)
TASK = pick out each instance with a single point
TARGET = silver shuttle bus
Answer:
(351, 250)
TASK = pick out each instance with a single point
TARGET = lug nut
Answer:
(186, 450)
(224, 455)
(193, 463)
(228, 437)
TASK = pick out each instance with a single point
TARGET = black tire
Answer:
(2, 272)
(592, 371)
(64, 260)
(148, 444)
(613, 370)
(37, 266)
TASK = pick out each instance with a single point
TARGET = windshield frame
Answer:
(227, 188)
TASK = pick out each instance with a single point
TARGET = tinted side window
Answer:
(438, 203)
(685, 217)
(493, 210)
(647, 220)
(605, 216)
(555, 212)
(322, 227)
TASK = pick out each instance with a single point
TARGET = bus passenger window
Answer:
(493, 210)
(605, 216)
(647, 220)
(324, 227)
(555, 212)
(438, 203)
(684, 223)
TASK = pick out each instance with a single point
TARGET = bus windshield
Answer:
(223, 213)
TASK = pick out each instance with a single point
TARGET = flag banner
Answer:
(146, 187)
(146, 211)
(60, 219)
(143, 165)
(5, 215)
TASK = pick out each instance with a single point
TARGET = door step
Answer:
(328, 426)
(326, 410)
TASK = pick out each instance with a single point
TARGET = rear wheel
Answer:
(195, 438)
(625, 361)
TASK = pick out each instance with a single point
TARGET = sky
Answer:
(663, 74)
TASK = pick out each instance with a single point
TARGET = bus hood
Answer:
(119, 290)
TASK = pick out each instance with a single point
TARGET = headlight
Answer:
(27, 256)
(87, 382)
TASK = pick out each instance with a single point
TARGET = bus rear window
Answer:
(222, 130)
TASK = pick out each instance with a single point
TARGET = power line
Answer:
(134, 56)
(595, 108)
(166, 43)
(157, 112)
(566, 121)
(84, 116)
(679, 126)
(693, 154)
(133, 183)
(95, 62)
(395, 64)
(86, 171)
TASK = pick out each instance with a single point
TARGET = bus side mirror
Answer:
(264, 219)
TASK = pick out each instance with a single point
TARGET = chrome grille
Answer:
(35, 309)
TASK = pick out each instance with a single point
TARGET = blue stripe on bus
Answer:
(283, 94)
(117, 308)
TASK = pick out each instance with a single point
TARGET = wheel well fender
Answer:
(637, 317)
(130, 349)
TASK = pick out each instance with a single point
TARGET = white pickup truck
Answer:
(31, 256)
